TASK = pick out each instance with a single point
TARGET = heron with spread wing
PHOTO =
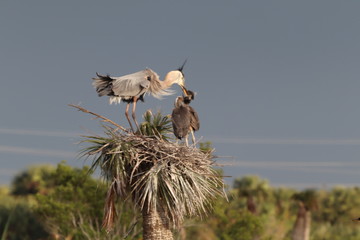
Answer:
(132, 87)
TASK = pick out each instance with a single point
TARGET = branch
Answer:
(104, 119)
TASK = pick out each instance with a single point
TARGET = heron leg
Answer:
(192, 135)
(127, 116)
(186, 140)
(133, 113)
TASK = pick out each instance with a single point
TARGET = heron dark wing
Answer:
(194, 119)
(180, 118)
(103, 85)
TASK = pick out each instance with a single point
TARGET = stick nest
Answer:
(157, 151)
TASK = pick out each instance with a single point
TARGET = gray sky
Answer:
(277, 82)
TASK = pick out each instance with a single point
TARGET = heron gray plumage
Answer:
(180, 118)
(132, 87)
(194, 117)
(184, 118)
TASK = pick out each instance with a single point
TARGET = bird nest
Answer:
(139, 148)
(154, 173)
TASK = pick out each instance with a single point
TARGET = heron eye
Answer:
(148, 78)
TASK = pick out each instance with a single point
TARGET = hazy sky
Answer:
(277, 82)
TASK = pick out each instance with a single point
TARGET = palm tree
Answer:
(166, 181)
(307, 202)
(251, 187)
(32, 180)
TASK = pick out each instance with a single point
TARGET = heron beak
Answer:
(184, 90)
(356, 220)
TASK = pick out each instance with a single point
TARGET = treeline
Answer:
(63, 202)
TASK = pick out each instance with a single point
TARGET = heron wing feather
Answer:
(131, 85)
(194, 120)
(181, 122)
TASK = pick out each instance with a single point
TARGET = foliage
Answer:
(19, 222)
(17, 217)
(74, 207)
(156, 125)
(33, 180)
(231, 222)
(308, 198)
(338, 204)
(6, 226)
(251, 186)
(73, 201)
(206, 147)
(75, 193)
(69, 207)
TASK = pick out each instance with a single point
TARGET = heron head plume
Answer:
(182, 67)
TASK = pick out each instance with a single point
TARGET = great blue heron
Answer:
(194, 118)
(185, 118)
(132, 87)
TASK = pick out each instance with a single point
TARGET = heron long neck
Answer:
(160, 88)
(167, 82)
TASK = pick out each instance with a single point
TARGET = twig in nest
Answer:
(99, 116)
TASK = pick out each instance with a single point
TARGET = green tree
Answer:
(17, 218)
(230, 221)
(31, 181)
(251, 188)
(73, 208)
(279, 218)
(75, 196)
(339, 204)
(22, 223)
(282, 197)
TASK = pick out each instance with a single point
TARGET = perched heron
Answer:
(185, 118)
(180, 118)
(194, 118)
(132, 87)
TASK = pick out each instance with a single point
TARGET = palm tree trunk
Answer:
(156, 225)
(302, 225)
(307, 225)
(251, 205)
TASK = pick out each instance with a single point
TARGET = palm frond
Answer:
(7, 224)
(157, 126)
(110, 209)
